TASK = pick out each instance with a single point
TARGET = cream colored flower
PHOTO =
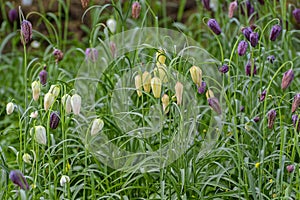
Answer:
(156, 87)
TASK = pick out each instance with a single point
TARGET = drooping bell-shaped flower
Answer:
(54, 120)
(242, 48)
(146, 79)
(296, 102)
(17, 177)
(10, 108)
(248, 69)
(296, 14)
(138, 84)
(66, 102)
(165, 103)
(275, 32)
(214, 26)
(26, 31)
(246, 32)
(27, 158)
(97, 126)
(213, 102)
(13, 15)
(161, 71)
(76, 104)
(58, 55)
(202, 88)
(254, 39)
(287, 79)
(43, 76)
(196, 74)
(49, 99)
(40, 135)
(263, 95)
(156, 86)
(136, 10)
(224, 69)
(36, 89)
(55, 90)
(232, 7)
(179, 92)
(271, 118)
(64, 179)
(112, 25)
(290, 168)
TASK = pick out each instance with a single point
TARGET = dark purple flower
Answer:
(275, 31)
(214, 26)
(294, 120)
(242, 108)
(242, 48)
(13, 15)
(249, 9)
(136, 10)
(214, 104)
(91, 54)
(26, 31)
(224, 69)
(202, 88)
(246, 32)
(296, 102)
(18, 178)
(271, 59)
(248, 69)
(256, 119)
(205, 4)
(290, 168)
(43, 76)
(254, 39)
(263, 95)
(287, 78)
(58, 54)
(271, 118)
(296, 14)
(54, 120)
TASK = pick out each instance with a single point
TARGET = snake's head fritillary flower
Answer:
(290, 168)
(214, 26)
(254, 39)
(13, 15)
(224, 69)
(36, 89)
(275, 32)
(26, 31)
(136, 10)
(242, 48)
(263, 95)
(296, 102)
(248, 69)
(146, 79)
(287, 79)
(10, 108)
(97, 126)
(178, 92)
(232, 7)
(112, 25)
(17, 177)
(256, 119)
(49, 99)
(27, 158)
(271, 118)
(156, 86)
(165, 103)
(54, 120)
(76, 104)
(64, 179)
(161, 71)
(66, 102)
(246, 32)
(40, 135)
(213, 102)
(206, 4)
(196, 74)
(138, 84)
(91, 54)
(55, 90)
(296, 14)
(43, 76)
(58, 55)
(202, 87)
(271, 59)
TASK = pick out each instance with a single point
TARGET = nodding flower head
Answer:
(156, 87)
(271, 59)
(196, 74)
(232, 7)
(246, 32)
(296, 102)
(206, 4)
(26, 31)
(271, 118)
(54, 120)
(224, 69)
(43, 76)
(202, 88)
(296, 14)
(17, 177)
(178, 92)
(58, 54)
(249, 70)
(254, 39)
(242, 48)
(263, 95)
(213, 102)
(76, 104)
(138, 84)
(287, 79)
(214, 26)
(290, 168)
(13, 15)
(275, 32)
(136, 10)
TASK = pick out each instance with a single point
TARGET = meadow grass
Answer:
(190, 152)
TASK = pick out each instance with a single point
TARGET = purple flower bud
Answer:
(136, 10)
(43, 76)
(246, 32)
(263, 95)
(54, 120)
(248, 69)
(205, 4)
(296, 14)
(275, 31)
(18, 178)
(287, 78)
(232, 7)
(254, 39)
(290, 168)
(271, 118)
(296, 102)
(224, 69)
(91, 54)
(242, 48)
(214, 26)
(249, 9)
(13, 15)
(26, 31)
(271, 58)
(58, 54)
(294, 120)
(202, 88)
(256, 119)
(214, 104)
